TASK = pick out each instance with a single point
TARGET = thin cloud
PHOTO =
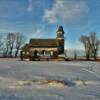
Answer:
(39, 33)
(66, 10)
(50, 16)
(30, 8)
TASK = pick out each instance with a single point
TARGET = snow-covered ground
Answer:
(52, 80)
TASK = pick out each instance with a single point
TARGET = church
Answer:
(37, 48)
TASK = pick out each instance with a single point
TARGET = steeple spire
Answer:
(60, 29)
(60, 32)
(60, 40)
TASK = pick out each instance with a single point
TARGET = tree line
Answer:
(11, 44)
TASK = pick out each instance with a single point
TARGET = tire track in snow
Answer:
(91, 72)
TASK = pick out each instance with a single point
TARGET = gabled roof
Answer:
(25, 47)
(43, 43)
(40, 43)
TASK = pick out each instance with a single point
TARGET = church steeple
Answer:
(60, 32)
(60, 40)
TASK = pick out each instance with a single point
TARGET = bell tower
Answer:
(60, 40)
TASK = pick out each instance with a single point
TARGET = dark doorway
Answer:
(43, 52)
(35, 53)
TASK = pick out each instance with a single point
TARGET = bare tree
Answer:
(4, 46)
(75, 55)
(94, 42)
(1, 43)
(20, 39)
(91, 44)
(10, 43)
(7, 47)
(85, 40)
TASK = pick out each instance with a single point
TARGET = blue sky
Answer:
(40, 18)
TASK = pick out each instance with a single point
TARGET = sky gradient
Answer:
(40, 18)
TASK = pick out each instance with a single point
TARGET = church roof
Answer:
(43, 43)
(25, 47)
(60, 29)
